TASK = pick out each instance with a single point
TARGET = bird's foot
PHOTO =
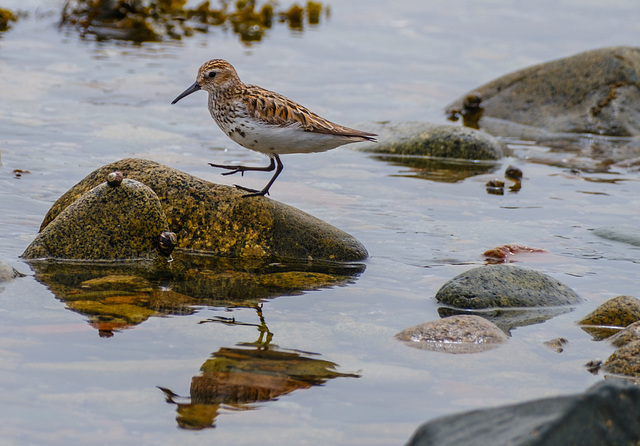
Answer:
(252, 192)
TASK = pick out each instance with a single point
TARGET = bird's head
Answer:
(213, 76)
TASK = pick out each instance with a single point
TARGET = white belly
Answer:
(271, 139)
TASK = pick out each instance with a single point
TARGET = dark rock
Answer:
(618, 312)
(596, 91)
(607, 414)
(625, 234)
(105, 223)
(442, 141)
(504, 286)
(216, 219)
(455, 334)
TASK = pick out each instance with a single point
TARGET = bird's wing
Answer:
(275, 109)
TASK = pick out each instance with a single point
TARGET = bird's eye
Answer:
(212, 74)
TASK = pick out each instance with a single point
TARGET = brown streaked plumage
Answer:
(265, 121)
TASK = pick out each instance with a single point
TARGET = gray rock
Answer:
(596, 91)
(441, 141)
(625, 234)
(504, 286)
(455, 334)
(607, 414)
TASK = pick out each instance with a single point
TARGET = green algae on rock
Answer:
(625, 361)
(597, 91)
(218, 220)
(105, 223)
(610, 317)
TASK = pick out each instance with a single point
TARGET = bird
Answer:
(265, 121)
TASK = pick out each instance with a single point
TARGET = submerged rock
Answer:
(625, 234)
(504, 286)
(455, 334)
(596, 91)
(441, 141)
(607, 414)
(105, 223)
(206, 217)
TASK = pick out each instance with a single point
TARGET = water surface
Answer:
(73, 105)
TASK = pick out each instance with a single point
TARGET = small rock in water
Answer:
(454, 334)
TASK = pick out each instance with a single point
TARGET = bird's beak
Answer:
(192, 89)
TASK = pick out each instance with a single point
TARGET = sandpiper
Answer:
(265, 121)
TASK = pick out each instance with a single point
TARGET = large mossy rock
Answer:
(607, 414)
(596, 91)
(212, 218)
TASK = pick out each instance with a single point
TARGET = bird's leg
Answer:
(265, 191)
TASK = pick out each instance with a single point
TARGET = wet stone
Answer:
(596, 92)
(105, 223)
(455, 334)
(504, 286)
(619, 312)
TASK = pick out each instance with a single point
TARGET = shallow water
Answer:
(72, 105)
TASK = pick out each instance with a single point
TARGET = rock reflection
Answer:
(120, 295)
(237, 378)
(438, 169)
(157, 20)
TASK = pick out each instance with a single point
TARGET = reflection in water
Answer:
(120, 295)
(509, 318)
(442, 170)
(236, 378)
(156, 20)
